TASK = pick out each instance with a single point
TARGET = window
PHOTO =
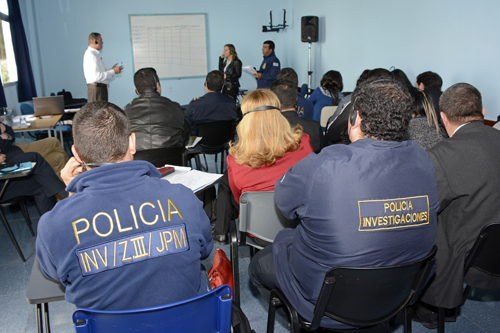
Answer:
(7, 60)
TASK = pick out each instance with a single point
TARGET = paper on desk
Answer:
(192, 179)
(17, 119)
(250, 69)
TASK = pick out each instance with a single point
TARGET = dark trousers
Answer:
(42, 184)
(96, 93)
(233, 92)
(227, 207)
(261, 271)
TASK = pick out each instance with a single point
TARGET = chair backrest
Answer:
(303, 90)
(326, 113)
(260, 216)
(27, 109)
(485, 254)
(210, 312)
(368, 296)
(216, 133)
(161, 156)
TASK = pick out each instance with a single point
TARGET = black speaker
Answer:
(309, 29)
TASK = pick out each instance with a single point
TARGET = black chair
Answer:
(484, 256)
(22, 202)
(215, 139)
(361, 297)
(161, 156)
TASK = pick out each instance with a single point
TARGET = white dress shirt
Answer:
(94, 69)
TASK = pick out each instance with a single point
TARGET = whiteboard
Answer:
(175, 45)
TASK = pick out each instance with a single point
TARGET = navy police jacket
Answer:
(126, 239)
(367, 204)
(269, 69)
(212, 106)
(304, 107)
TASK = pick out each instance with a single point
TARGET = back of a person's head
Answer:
(377, 73)
(286, 91)
(332, 81)
(145, 79)
(430, 80)
(265, 135)
(400, 76)
(215, 81)
(101, 132)
(423, 106)
(385, 107)
(289, 74)
(461, 103)
(362, 77)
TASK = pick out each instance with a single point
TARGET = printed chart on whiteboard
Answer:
(175, 45)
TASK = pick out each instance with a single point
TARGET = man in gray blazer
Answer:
(466, 167)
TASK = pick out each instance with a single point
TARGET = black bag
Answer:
(239, 321)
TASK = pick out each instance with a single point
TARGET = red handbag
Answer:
(221, 272)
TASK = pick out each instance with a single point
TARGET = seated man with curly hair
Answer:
(368, 204)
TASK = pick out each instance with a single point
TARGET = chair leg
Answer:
(441, 320)
(9, 230)
(233, 250)
(206, 164)
(271, 316)
(221, 162)
(26, 215)
(407, 324)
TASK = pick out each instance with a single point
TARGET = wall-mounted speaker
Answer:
(309, 29)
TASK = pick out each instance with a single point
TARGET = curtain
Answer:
(26, 89)
(3, 102)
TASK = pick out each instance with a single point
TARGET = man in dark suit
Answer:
(466, 167)
(287, 93)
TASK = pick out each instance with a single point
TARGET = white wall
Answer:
(455, 38)
(63, 27)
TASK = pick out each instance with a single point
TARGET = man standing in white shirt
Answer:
(96, 75)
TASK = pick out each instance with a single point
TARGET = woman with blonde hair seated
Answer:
(266, 148)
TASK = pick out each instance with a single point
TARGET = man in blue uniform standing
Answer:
(368, 204)
(213, 106)
(269, 68)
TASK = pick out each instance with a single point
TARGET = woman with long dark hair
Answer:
(230, 65)
(328, 93)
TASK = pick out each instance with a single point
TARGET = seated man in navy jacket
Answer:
(125, 239)
(213, 106)
(371, 203)
(303, 107)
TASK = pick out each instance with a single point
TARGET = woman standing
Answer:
(230, 65)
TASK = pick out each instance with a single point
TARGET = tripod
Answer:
(309, 73)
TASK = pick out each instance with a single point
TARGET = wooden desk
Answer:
(41, 291)
(42, 124)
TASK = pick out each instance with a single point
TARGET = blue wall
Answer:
(455, 38)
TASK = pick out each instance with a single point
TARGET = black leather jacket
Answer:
(233, 73)
(157, 121)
